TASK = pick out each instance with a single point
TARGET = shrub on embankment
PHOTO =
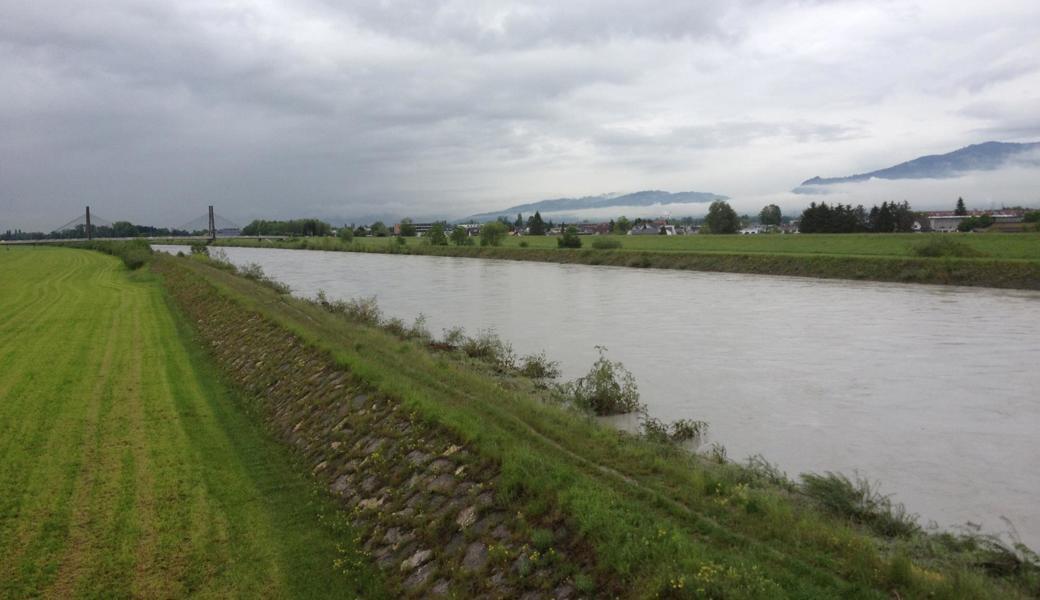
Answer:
(134, 253)
(654, 520)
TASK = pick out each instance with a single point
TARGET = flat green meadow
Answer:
(127, 468)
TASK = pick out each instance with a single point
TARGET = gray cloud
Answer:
(151, 111)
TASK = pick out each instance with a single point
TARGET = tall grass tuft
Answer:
(606, 244)
(946, 245)
(677, 432)
(255, 272)
(861, 502)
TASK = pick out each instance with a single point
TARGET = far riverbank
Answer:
(998, 261)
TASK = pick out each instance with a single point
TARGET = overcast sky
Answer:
(149, 111)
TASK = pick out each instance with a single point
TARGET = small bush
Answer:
(717, 453)
(454, 337)
(362, 310)
(944, 245)
(419, 331)
(396, 326)
(569, 239)
(538, 366)
(524, 244)
(489, 347)
(605, 244)
(608, 389)
(256, 273)
(677, 432)
(685, 430)
(859, 501)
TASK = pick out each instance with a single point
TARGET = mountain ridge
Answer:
(985, 156)
(641, 198)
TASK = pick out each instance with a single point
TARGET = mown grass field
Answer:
(127, 468)
(660, 521)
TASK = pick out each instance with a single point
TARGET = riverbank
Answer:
(990, 260)
(589, 509)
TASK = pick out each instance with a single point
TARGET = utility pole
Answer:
(90, 232)
(212, 225)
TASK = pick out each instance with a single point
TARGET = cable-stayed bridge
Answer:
(85, 227)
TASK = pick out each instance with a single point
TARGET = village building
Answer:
(946, 220)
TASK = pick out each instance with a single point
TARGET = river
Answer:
(932, 391)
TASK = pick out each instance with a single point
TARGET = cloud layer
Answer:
(150, 111)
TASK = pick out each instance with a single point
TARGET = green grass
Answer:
(660, 522)
(1024, 246)
(993, 260)
(127, 467)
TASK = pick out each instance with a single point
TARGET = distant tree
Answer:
(886, 222)
(722, 218)
(436, 236)
(407, 228)
(518, 225)
(1032, 216)
(961, 210)
(770, 215)
(346, 233)
(569, 239)
(491, 234)
(535, 225)
(460, 236)
(124, 229)
(361, 231)
(379, 229)
(622, 225)
(973, 223)
(903, 217)
(304, 227)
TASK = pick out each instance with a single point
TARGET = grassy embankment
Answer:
(127, 468)
(661, 522)
(991, 260)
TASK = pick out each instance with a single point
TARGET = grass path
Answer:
(126, 467)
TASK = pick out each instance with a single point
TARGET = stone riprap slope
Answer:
(426, 505)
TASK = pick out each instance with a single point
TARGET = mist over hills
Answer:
(586, 203)
(986, 156)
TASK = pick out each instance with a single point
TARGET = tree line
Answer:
(844, 218)
(119, 229)
(298, 227)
